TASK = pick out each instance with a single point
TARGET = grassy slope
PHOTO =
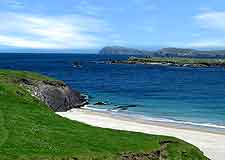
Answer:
(29, 130)
(177, 60)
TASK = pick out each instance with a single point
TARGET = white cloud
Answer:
(216, 43)
(200, 43)
(71, 31)
(20, 42)
(212, 20)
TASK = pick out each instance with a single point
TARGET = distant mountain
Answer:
(187, 52)
(123, 51)
(164, 52)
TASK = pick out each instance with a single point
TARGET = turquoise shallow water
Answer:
(195, 96)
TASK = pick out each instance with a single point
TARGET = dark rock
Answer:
(166, 142)
(19, 93)
(160, 154)
(100, 103)
(155, 155)
(113, 61)
(25, 81)
(56, 94)
(55, 83)
(124, 107)
(77, 64)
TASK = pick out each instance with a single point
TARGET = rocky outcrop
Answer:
(100, 103)
(125, 107)
(160, 154)
(56, 94)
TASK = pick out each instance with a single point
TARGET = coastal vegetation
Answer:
(30, 130)
(196, 62)
(172, 61)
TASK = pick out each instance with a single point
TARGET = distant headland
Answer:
(164, 52)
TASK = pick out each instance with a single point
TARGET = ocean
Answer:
(181, 95)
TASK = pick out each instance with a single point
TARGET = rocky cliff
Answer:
(56, 94)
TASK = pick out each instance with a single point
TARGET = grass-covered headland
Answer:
(179, 61)
(29, 130)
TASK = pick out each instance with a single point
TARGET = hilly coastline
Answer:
(30, 129)
(164, 52)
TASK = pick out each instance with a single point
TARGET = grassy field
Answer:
(29, 130)
(179, 61)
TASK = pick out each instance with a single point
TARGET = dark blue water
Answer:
(181, 94)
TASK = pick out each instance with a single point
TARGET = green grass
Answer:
(29, 130)
(178, 60)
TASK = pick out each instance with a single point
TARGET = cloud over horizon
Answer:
(213, 20)
(210, 21)
(68, 31)
(91, 24)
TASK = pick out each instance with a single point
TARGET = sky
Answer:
(92, 24)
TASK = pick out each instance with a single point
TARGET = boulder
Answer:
(56, 94)
(100, 103)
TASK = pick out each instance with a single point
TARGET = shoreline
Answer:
(211, 143)
(173, 61)
(204, 127)
(165, 64)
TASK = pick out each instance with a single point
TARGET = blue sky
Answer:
(90, 24)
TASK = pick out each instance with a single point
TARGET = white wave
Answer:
(133, 115)
(95, 109)
(209, 125)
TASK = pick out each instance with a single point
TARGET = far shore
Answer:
(211, 143)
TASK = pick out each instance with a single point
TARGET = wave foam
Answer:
(132, 115)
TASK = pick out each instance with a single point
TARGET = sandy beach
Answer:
(212, 144)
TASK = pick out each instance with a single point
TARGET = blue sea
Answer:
(183, 95)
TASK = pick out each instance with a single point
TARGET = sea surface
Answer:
(182, 95)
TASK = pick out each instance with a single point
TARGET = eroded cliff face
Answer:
(56, 94)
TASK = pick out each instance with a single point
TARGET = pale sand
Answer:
(212, 144)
